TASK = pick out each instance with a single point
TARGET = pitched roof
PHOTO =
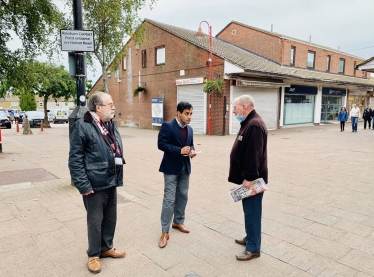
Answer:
(252, 62)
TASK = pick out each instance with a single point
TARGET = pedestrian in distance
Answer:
(175, 139)
(96, 169)
(367, 116)
(248, 162)
(355, 114)
(342, 117)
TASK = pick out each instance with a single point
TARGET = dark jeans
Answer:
(369, 121)
(252, 207)
(342, 124)
(101, 208)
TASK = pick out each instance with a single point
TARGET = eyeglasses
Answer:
(111, 105)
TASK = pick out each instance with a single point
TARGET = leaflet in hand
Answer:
(237, 193)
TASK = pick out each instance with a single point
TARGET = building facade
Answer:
(293, 82)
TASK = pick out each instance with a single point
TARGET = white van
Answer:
(60, 116)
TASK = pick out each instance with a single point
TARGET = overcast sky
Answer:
(344, 24)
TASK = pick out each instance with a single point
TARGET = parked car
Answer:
(34, 118)
(51, 117)
(4, 120)
(60, 116)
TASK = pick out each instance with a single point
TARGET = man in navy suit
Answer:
(176, 140)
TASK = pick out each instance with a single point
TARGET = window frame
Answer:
(144, 58)
(341, 60)
(314, 59)
(328, 63)
(157, 56)
(124, 63)
(292, 55)
(354, 68)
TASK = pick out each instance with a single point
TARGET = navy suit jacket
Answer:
(170, 141)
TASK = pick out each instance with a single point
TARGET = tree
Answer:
(33, 22)
(27, 101)
(111, 21)
(48, 81)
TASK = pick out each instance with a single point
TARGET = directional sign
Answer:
(77, 40)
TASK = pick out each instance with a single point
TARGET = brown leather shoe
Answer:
(180, 227)
(246, 256)
(94, 264)
(113, 253)
(163, 240)
(241, 241)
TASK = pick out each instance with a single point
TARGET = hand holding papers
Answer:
(237, 193)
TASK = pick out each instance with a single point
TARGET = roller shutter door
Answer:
(194, 94)
(266, 104)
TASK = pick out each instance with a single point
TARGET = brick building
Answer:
(290, 79)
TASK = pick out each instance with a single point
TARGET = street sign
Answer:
(77, 40)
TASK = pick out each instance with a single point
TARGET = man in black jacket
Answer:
(248, 162)
(367, 116)
(96, 169)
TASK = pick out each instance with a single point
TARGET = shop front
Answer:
(299, 102)
(358, 97)
(332, 100)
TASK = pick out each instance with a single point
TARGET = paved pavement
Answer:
(318, 215)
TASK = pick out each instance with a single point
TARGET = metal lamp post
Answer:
(200, 33)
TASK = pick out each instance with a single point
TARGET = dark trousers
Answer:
(252, 207)
(369, 121)
(101, 208)
(342, 124)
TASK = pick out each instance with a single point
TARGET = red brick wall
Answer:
(320, 58)
(261, 43)
(160, 79)
(279, 50)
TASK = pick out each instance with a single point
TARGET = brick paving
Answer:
(318, 216)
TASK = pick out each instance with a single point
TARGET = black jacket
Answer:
(368, 113)
(248, 158)
(91, 159)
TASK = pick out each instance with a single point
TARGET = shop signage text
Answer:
(189, 81)
(77, 40)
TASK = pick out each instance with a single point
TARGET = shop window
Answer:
(328, 60)
(330, 107)
(298, 109)
(341, 65)
(311, 59)
(144, 59)
(160, 55)
(292, 55)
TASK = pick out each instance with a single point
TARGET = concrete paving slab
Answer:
(317, 215)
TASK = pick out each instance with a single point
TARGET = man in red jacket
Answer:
(248, 162)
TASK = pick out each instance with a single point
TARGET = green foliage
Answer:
(27, 101)
(33, 22)
(112, 21)
(215, 85)
(138, 89)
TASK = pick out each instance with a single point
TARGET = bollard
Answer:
(1, 140)
(41, 125)
(17, 126)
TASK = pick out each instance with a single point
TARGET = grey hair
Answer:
(246, 100)
(94, 100)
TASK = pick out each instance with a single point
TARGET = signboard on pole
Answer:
(77, 40)
(157, 111)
